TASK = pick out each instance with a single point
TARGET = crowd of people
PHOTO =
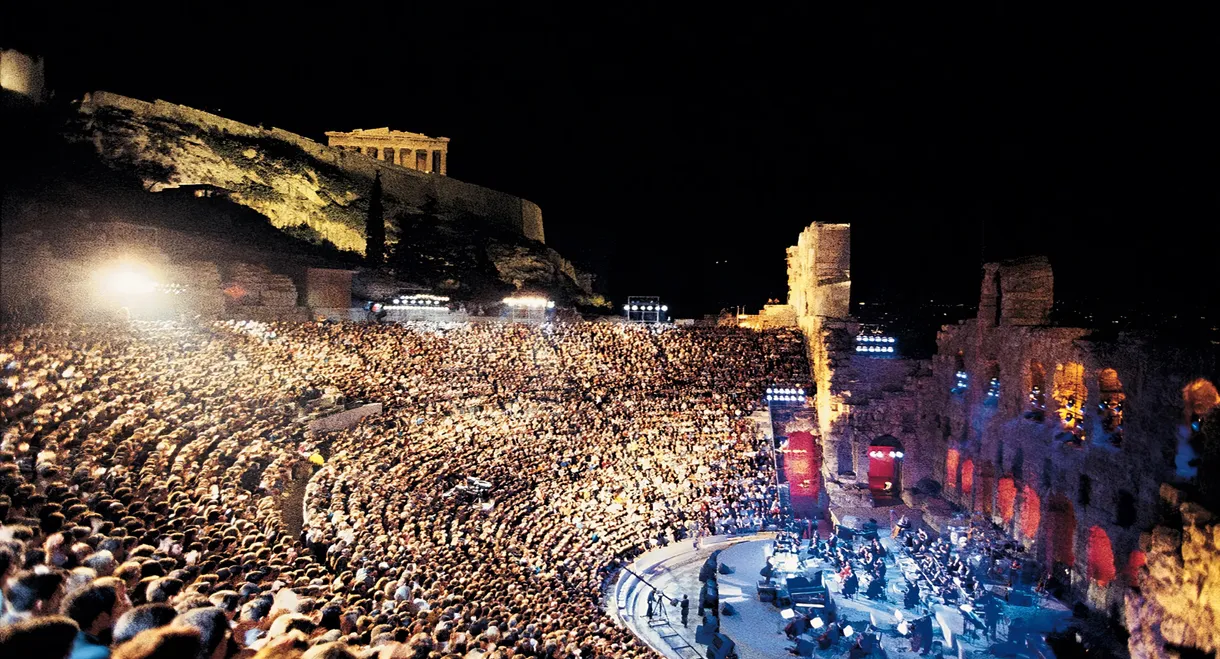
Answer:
(161, 494)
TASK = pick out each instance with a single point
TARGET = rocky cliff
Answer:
(463, 238)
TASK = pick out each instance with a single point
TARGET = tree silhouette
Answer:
(374, 226)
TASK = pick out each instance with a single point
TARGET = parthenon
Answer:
(411, 150)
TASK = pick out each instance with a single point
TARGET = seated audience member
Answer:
(49, 637)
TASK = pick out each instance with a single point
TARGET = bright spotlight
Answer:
(848, 631)
(126, 280)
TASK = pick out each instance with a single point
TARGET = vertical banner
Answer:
(803, 472)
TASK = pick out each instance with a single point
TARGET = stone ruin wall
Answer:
(1087, 506)
(409, 187)
(1174, 602)
(858, 398)
(1081, 504)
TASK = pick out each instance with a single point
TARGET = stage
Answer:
(757, 628)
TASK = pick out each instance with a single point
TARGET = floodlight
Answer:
(126, 279)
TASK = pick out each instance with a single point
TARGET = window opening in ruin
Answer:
(371, 151)
(1070, 394)
(1199, 399)
(1085, 495)
(389, 155)
(967, 477)
(961, 380)
(1126, 509)
(1101, 557)
(1036, 407)
(1018, 464)
(1061, 536)
(1006, 498)
(421, 160)
(952, 458)
(987, 486)
(1031, 513)
(992, 397)
(436, 161)
(1110, 407)
(1136, 560)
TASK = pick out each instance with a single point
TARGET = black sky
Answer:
(678, 152)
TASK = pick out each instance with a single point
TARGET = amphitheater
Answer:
(185, 455)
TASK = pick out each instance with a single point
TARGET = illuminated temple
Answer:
(411, 150)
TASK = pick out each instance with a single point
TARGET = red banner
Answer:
(803, 470)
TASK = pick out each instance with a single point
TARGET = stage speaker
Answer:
(720, 647)
(728, 610)
(767, 593)
(709, 628)
(725, 569)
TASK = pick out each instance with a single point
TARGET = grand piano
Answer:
(806, 590)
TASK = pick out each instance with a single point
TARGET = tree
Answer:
(374, 226)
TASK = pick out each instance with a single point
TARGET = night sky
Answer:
(679, 153)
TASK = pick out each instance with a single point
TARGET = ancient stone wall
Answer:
(1174, 604)
(859, 397)
(1060, 435)
(1022, 291)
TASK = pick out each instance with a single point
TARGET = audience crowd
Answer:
(162, 493)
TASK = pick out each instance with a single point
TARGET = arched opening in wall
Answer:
(992, 397)
(968, 479)
(1110, 405)
(436, 161)
(1126, 513)
(1135, 561)
(390, 155)
(885, 456)
(1006, 498)
(1070, 395)
(1036, 386)
(1031, 513)
(1101, 557)
(370, 151)
(952, 459)
(1060, 531)
(986, 478)
(1085, 493)
(961, 379)
(421, 160)
(1199, 398)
